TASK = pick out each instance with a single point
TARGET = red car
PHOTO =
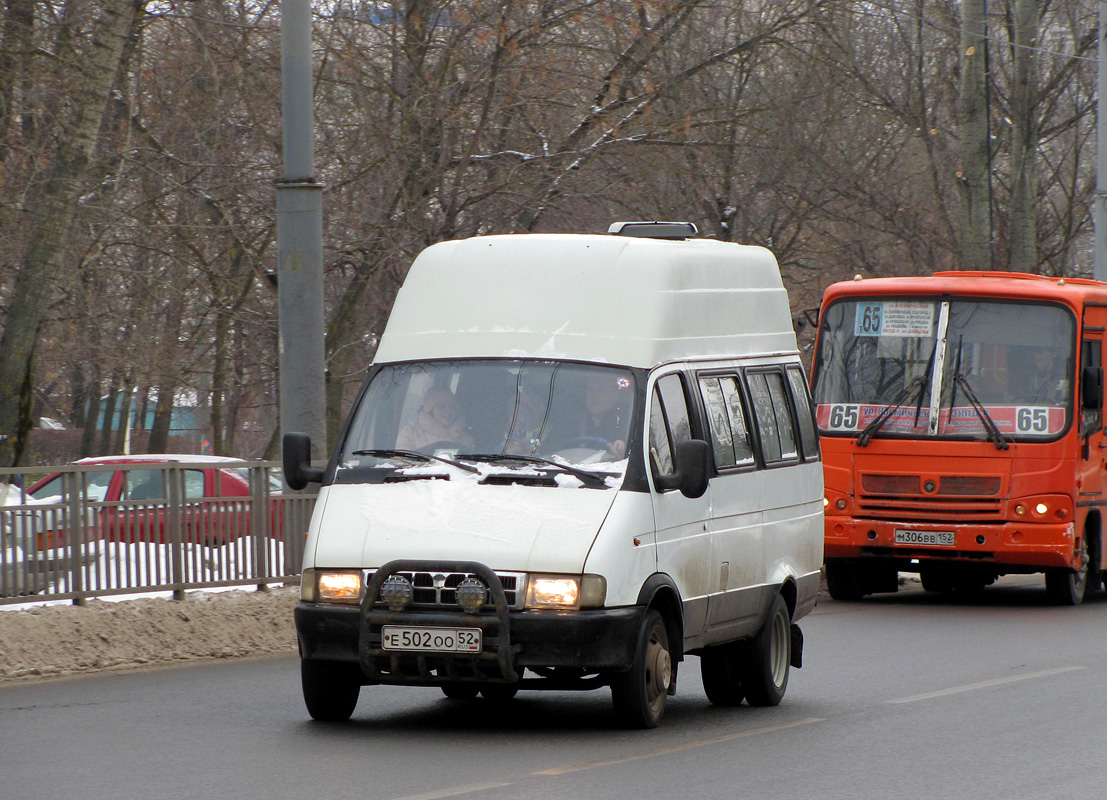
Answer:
(127, 501)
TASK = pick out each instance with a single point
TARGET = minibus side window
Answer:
(808, 438)
(669, 422)
(661, 450)
(774, 421)
(726, 419)
(722, 440)
(743, 444)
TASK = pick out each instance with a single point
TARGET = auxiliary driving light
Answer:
(470, 595)
(396, 592)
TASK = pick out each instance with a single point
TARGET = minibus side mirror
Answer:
(1091, 387)
(298, 472)
(693, 464)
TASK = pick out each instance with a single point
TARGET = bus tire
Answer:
(768, 658)
(843, 581)
(1066, 587)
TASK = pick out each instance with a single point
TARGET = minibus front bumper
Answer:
(1021, 546)
(588, 640)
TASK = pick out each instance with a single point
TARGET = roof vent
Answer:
(654, 230)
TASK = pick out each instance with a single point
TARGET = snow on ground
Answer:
(61, 639)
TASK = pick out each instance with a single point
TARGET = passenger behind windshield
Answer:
(439, 422)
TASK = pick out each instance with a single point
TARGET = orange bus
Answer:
(962, 426)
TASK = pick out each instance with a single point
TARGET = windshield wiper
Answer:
(594, 478)
(414, 455)
(990, 426)
(885, 414)
(994, 435)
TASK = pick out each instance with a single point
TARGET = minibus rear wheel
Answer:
(499, 692)
(460, 691)
(768, 658)
(331, 689)
(720, 669)
(639, 693)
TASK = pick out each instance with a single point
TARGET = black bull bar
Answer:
(493, 664)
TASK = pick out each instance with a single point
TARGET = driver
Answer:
(1046, 382)
(439, 421)
(603, 418)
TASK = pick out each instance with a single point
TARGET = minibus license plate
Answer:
(926, 538)
(431, 640)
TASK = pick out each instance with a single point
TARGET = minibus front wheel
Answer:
(331, 689)
(639, 693)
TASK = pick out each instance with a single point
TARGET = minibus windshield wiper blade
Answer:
(414, 455)
(908, 394)
(994, 435)
(596, 479)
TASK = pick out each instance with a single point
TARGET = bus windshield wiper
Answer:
(413, 455)
(594, 478)
(990, 427)
(959, 379)
(909, 393)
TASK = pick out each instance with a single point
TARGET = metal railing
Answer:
(92, 538)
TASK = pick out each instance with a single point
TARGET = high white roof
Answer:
(614, 299)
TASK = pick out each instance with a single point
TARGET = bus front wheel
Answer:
(1067, 587)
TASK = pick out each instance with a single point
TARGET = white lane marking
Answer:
(454, 792)
(984, 684)
(676, 747)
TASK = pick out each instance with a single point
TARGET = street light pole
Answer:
(1099, 209)
(300, 240)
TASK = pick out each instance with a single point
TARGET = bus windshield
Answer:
(938, 367)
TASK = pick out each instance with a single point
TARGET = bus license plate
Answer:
(926, 538)
(431, 640)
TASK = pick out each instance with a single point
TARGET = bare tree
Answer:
(52, 203)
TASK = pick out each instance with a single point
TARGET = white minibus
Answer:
(576, 461)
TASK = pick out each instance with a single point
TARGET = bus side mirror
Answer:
(1091, 387)
(298, 472)
(693, 466)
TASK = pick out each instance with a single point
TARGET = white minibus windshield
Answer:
(571, 412)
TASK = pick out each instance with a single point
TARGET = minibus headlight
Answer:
(1041, 508)
(566, 591)
(333, 587)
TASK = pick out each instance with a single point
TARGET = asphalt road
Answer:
(907, 695)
